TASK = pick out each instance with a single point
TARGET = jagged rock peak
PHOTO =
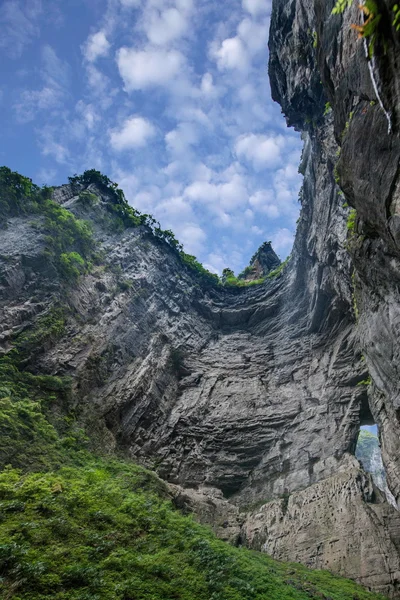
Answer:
(262, 263)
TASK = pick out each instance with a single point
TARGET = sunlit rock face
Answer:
(250, 395)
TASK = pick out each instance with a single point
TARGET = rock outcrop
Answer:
(250, 395)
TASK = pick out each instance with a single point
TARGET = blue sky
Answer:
(170, 98)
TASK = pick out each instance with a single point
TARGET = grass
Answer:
(105, 531)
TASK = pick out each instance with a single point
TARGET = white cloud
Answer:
(174, 210)
(143, 69)
(192, 236)
(282, 241)
(231, 55)
(31, 101)
(254, 35)
(207, 85)
(179, 140)
(262, 151)
(19, 25)
(55, 75)
(256, 7)
(162, 28)
(51, 146)
(96, 46)
(264, 201)
(88, 113)
(134, 133)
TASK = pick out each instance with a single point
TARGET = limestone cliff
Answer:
(249, 396)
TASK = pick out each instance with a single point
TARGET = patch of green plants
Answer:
(87, 198)
(18, 195)
(367, 381)
(372, 16)
(69, 241)
(340, 6)
(105, 531)
(28, 438)
(44, 333)
(351, 220)
(396, 17)
(276, 272)
(327, 109)
(315, 39)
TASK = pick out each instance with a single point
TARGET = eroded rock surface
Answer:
(251, 394)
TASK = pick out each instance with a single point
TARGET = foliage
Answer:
(69, 241)
(315, 39)
(105, 532)
(46, 331)
(279, 269)
(340, 6)
(369, 30)
(351, 220)
(27, 438)
(18, 195)
(86, 198)
(367, 381)
(327, 109)
(72, 265)
(203, 274)
(396, 15)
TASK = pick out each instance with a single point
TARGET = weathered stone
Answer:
(253, 391)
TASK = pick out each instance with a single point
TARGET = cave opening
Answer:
(368, 453)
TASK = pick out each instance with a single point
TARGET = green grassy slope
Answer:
(106, 531)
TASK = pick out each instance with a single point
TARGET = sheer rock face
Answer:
(252, 391)
(341, 523)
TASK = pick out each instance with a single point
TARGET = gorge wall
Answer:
(253, 397)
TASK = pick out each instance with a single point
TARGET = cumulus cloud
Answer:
(231, 54)
(96, 46)
(134, 133)
(263, 151)
(264, 201)
(162, 28)
(179, 140)
(142, 69)
(256, 7)
(193, 238)
(282, 241)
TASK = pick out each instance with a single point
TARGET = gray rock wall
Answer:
(251, 395)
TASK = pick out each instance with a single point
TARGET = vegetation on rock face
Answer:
(74, 526)
(125, 215)
(69, 243)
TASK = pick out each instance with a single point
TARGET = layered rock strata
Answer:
(251, 394)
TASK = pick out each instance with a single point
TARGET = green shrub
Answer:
(87, 199)
(351, 220)
(72, 265)
(276, 272)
